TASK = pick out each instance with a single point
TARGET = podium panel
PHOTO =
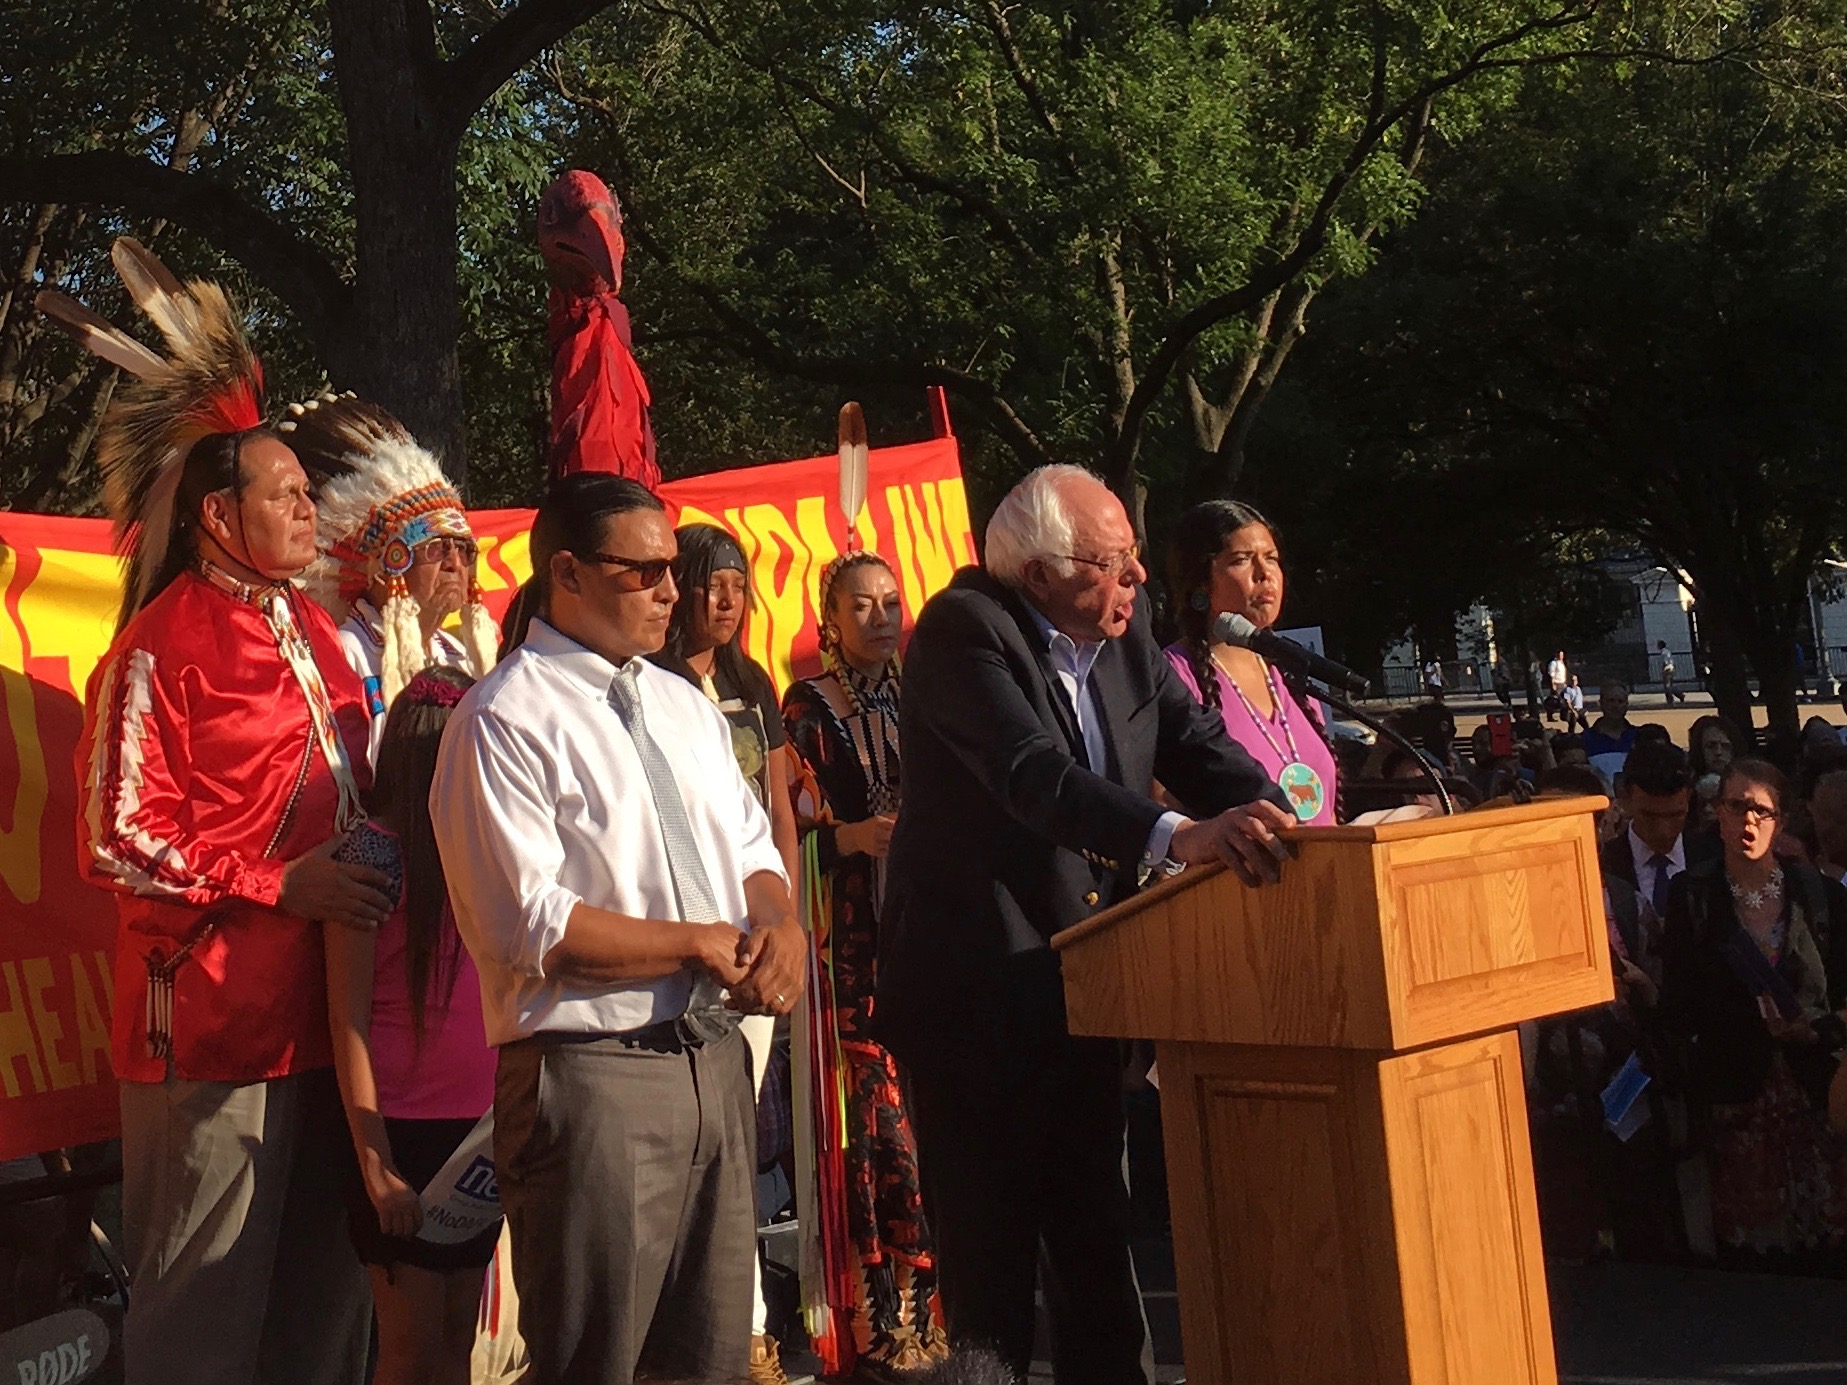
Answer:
(1341, 1091)
(1379, 938)
(1489, 927)
(1343, 1216)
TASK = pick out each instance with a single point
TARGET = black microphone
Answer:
(1233, 629)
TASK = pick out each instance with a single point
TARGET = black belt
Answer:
(663, 1036)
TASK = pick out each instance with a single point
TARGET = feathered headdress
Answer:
(209, 382)
(379, 494)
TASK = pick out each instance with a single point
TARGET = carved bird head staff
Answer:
(580, 234)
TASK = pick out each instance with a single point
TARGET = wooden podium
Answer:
(1341, 1091)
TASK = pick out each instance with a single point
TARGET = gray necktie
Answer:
(706, 1018)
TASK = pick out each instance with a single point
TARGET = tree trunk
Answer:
(1773, 657)
(399, 345)
(1217, 473)
(1729, 679)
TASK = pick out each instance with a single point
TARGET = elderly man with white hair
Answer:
(1037, 713)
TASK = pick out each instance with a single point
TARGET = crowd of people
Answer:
(397, 907)
(1722, 875)
(1722, 867)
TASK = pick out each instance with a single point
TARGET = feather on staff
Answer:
(855, 461)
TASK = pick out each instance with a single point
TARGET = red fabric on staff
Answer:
(599, 398)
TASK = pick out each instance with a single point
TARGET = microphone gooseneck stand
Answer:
(1340, 704)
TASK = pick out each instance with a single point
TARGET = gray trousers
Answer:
(233, 1222)
(628, 1175)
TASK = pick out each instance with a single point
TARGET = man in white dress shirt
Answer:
(1557, 676)
(611, 871)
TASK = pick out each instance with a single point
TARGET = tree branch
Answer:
(1120, 454)
(1027, 84)
(293, 269)
(746, 338)
(921, 179)
(520, 35)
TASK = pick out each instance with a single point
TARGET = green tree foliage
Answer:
(1101, 226)
(1624, 311)
(333, 152)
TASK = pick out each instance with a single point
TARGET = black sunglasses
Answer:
(642, 575)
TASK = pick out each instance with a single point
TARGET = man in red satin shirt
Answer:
(223, 757)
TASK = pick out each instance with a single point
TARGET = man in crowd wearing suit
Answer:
(1037, 713)
(1657, 784)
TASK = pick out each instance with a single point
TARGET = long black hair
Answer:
(705, 550)
(1198, 539)
(213, 463)
(401, 794)
(571, 519)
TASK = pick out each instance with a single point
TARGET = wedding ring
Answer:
(779, 999)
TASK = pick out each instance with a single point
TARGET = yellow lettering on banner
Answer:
(92, 1018)
(69, 609)
(19, 838)
(930, 547)
(50, 1028)
(811, 523)
(766, 535)
(515, 551)
(16, 1041)
(692, 514)
(955, 518)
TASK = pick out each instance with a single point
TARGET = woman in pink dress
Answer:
(411, 1052)
(1224, 558)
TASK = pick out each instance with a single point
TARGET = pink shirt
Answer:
(1248, 730)
(452, 1076)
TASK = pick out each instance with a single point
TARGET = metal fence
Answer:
(1473, 679)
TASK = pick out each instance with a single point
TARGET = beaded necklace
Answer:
(871, 725)
(1300, 784)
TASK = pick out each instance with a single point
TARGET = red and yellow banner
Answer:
(59, 589)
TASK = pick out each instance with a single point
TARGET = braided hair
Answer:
(1198, 539)
(831, 660)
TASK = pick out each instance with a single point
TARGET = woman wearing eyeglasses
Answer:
(1224, 558)
(1744, 1009)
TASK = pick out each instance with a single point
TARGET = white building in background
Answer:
(1828, 609)
(1662, 611)
(1670, 612)
(1664, 614)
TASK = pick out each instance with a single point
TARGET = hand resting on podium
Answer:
(1248, 839)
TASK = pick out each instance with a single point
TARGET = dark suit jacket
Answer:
(1619, 861)
(1005, 837)
(1708, 1015)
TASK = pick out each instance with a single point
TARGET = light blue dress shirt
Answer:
(1072, 661)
